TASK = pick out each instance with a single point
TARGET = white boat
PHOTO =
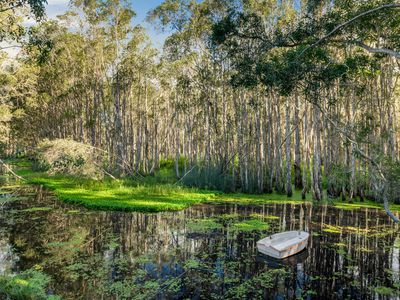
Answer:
(284, 244)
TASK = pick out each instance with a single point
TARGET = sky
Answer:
(141, 8)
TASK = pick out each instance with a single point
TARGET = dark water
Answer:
(111, 255)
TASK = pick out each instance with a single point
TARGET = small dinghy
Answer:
(284, 244)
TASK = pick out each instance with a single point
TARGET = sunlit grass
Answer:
(120, 195)
(160, 193)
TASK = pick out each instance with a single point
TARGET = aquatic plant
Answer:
(255, 288)
(250, 225)
(331, 229)
(261, 216)
(203, 225)
(227, 219)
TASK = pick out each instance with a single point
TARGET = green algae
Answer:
(331, 229)
(250, 225)
(204, 225)
(266, 217)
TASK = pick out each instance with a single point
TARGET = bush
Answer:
(31, 284)
(69, 157)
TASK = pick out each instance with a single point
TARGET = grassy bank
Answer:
(128, 195)
(154, 194)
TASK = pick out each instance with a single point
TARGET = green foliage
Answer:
(294, 51)
(384, 291)
(337, 179)
(171, 12)
(210, 178)
(31, 284)
(267, 217)
(392, 173)
(11, 13)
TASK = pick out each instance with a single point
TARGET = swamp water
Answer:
(203, 252)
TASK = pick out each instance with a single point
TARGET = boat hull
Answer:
(268, 248)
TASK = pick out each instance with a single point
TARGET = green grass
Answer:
(122, 195)
(156, 193)
(127, 195)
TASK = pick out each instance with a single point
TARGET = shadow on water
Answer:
(204, 252)
(291, 261)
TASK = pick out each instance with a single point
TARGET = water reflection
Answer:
(104, 254)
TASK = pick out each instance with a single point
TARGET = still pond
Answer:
(204, 252)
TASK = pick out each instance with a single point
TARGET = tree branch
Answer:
(11, 171)
(378, 50)
(345, 24)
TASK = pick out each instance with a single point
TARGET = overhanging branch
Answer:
(378, 50)
(345, 24)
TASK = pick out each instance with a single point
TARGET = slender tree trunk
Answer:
(289, 191)
(297, 153)
(316, 174)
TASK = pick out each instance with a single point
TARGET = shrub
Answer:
(31, 284)
(69, 157)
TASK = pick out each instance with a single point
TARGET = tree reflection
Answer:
(126, 255)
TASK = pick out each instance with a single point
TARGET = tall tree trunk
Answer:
(298, 183)
(306, 152)
(289, 191)
(316, 174)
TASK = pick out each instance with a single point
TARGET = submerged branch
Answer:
(11, 171)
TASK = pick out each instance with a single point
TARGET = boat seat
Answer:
(287, 244)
